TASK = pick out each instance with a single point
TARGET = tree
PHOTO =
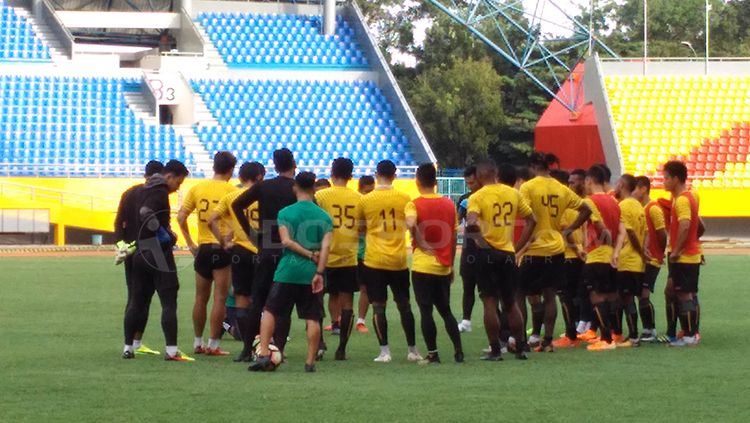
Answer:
(460, 109)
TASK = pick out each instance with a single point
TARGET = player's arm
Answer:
(325, 247)
(294, 246)
(682, 234)
(414, 229)
(619, 244)
(242, 202)
(213, 223)
(528, 229)
(120, 216)
(584, 214)
(182, 217)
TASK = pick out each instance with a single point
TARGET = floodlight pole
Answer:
(645, 37)
(708, 10)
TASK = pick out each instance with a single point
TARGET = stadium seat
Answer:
(306, 116)
(61, 136)
(702, 120)
(259, 40)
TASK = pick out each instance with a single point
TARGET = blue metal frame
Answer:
(533, 57)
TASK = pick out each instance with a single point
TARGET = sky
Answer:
(554, 22)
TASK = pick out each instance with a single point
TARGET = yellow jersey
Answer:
(203, 198)
(633, 216)
(549, 199)
(568, 217)
(382, 210)
(498, 205)
(602, 253)
(683, 211)
(342, 204)
(226, 213)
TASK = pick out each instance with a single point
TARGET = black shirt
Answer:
(272, 195)
(126, 221)
(151, 204)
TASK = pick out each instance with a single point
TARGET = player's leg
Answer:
(203, 279)
(508, 291)
(364, 302)
(243, 271)
(645, 306)
(377, 291)
(441, 299)
(685, 280)
(334, 310)
(530, 278)
(280, 301)
(167, 286)
(671, 305)
(262, 283)
(569, 302)
(586, 319)
(597, 276)
(140, 279)
(423, 295)
(488, 281)
(399, 282)
(469, 278)
(222, 278)
(344, 282)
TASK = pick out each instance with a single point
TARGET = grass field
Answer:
(60, 345)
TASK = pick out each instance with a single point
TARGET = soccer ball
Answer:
(276, 356)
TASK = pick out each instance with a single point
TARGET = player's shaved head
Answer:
(487, 171)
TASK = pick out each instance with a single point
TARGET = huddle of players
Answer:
(300, 244)
(597, 271)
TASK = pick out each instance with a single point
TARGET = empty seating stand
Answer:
(256, 40)
(319, 120)
(17, 39)
(71, 126)
(704, 121)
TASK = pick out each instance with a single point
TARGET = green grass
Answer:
(60, 344)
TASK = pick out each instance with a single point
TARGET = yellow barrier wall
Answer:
(106, 194)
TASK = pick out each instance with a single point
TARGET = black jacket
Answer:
(154, 215)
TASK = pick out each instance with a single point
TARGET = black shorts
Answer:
(649, 278)
(243, 270)
(542, 272)
(263, 278)
(498, 275)
(469, 263)
(210, 257)
(283, 296)
(431, 289)
(600, 277)
(342, 280)
(573, 275)
(629, 283)
(685, 276)
(378, 281)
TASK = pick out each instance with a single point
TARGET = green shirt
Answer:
(307, 225)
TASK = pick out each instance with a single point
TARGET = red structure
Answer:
(573, 137)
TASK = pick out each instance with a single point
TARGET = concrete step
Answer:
(56, 50)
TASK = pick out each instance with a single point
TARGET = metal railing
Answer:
(104, 170)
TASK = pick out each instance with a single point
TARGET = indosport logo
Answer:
(155, 243)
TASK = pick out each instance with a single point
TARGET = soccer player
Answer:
(656, 243)
(431, 219)
(568, 292)
(577, 183)
(468, 264)
(685, 253)
(126, 231)
(154, 267)
(212, 263)
(544, 258)
(306, 232)
(322, 184)
(628, 255)
(492, 213)
(342, 205)
(243, 253)
(385, 258)
(365, 185)
(603, 225)
(271, 195)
